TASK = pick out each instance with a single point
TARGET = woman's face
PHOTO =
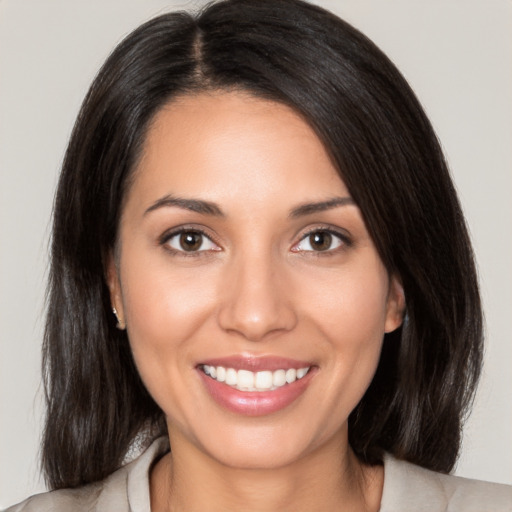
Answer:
(242, 251)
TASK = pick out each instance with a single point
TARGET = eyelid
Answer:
(178, 230)
(337, 232)
(171, 233)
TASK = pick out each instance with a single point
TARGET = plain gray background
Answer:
(456, 54)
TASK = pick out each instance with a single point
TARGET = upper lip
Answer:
(256, 363)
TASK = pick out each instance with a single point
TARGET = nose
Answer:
(256, 301)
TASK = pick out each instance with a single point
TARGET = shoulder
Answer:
(81, 499)
(127, 489)
(410, 487)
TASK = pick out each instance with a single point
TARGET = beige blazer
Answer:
(407, 488)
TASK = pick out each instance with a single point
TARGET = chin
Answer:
(265, 447)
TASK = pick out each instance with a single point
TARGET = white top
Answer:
(407, 488)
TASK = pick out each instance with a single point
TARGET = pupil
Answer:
(190, 241)
(321, 241)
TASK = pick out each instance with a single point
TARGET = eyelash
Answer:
(345, 241)
(168, 236)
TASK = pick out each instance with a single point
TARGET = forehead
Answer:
(229, 145)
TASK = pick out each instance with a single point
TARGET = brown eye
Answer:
(320, 241)
(191, 241)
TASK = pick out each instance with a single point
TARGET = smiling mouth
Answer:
(246, 380)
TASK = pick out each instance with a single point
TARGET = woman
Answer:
(259, 259)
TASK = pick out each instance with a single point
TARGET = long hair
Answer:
(386, 152)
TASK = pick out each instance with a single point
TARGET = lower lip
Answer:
(255, 403)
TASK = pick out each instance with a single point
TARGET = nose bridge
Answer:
(255, 302)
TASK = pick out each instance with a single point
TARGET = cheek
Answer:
(351, 306)
(163, 302)
(164, 309)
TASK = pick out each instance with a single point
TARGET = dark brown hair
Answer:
(388, 156)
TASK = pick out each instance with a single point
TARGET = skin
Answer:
(257, 286)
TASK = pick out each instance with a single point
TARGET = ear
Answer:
(114, 286)
(395, 309)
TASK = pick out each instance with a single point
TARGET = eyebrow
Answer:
(193, 205)
(209, 208)
(310, 208)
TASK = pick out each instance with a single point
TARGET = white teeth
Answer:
(291, 375)
(264, 380)
(279, 378)
(245, 380)
(231, 377)
(221, 373)
(300, 372)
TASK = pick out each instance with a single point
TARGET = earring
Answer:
(120, 325)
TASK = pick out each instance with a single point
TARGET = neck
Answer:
(329, 479)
